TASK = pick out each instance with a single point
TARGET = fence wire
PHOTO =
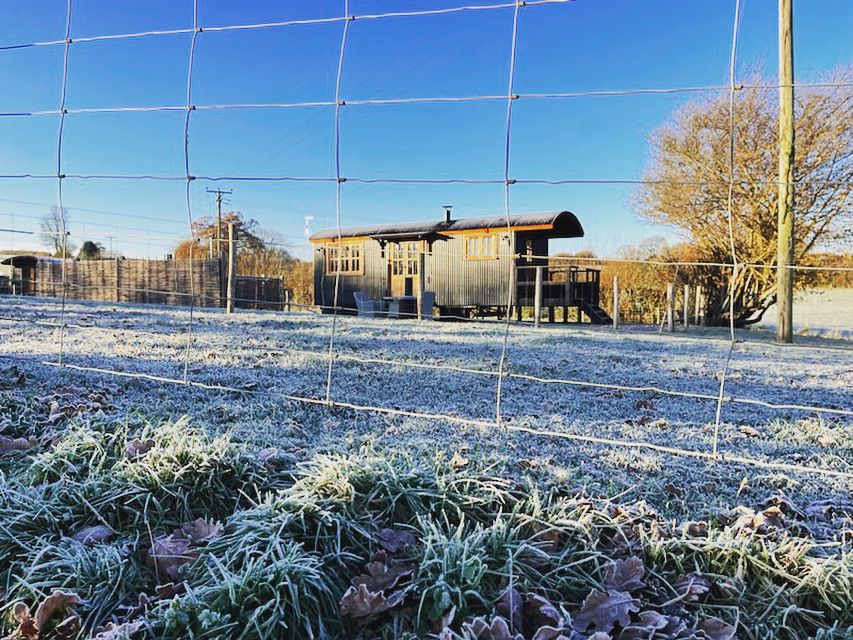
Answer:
(332, 354)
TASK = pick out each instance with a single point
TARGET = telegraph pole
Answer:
(219, 193)
(785, 217)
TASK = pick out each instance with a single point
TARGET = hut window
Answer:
(344, 259)
(481, 246)
(403, 257)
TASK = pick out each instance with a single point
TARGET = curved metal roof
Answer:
(564, 224)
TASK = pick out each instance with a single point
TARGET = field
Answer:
(242, 506)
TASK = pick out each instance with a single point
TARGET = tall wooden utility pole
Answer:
(785, 219)
(231, 283)
(219, 193)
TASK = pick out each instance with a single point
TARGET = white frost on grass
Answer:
(276, 353)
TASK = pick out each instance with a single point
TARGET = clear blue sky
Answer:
(581, 46)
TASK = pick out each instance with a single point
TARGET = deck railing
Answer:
(560, 286)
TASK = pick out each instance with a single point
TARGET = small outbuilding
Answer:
(18, 273)
(475, 266)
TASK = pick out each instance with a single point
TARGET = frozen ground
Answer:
(827, 313)
(269, 354)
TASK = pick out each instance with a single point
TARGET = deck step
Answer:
(596, 314)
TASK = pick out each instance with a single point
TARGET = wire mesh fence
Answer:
(508, 373)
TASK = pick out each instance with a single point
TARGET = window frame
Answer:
(479, 241)
(345, 258)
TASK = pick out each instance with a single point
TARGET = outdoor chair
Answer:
(368, 308)
(427, 303)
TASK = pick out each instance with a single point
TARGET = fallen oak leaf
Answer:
(169, 553)
(113, 631)
(603, 610)
(625, 575)
(201, 530)
(716, 629)
(360, 602)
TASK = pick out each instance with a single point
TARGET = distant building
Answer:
(475, 266)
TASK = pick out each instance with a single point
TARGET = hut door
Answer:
(403, 258)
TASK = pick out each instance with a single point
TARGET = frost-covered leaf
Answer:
(509, 606)
(497, 629)
(96, 533)
(360, 602)
(552, 633)
(16, 444)
(382, 574)
(697, 529)
(123, 631)
(201, 530)
(644, 626)
(54, 603)
(394, 541)
(170, 590)
(625, 575)
(691, 587)
(169, 553)
(458, 461)
(539, 612)
(137, 448)
(716, 629)
(603, 610)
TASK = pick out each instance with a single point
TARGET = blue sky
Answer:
(587, 45)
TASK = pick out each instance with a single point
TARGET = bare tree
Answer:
(53, 232)
(687, 182)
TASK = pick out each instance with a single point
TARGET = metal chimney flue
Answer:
(447, 208)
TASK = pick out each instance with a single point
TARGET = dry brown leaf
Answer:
(360, 602)
(169, 553)
(509, 606)
(716, 629)
(691, 587)
(458, 461)
(394, 541)
(382, 575)
(122, 631)
(96, 533)
(625, 575)
(672, 490)
(137, 448)
(170, 590)
(539, 612)
(603, 610)
(697, 529)
(498, 629)
(50, 605)
(201, 530)
(552, 633)
(16, 444)
(644, 626)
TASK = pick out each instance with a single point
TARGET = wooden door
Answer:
(403, 262)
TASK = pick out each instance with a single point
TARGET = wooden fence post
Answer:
(421, 285)
(670, 307)
(686, 318)
(232, 264)
(537, 296)
(615, 302)
(696, 306)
